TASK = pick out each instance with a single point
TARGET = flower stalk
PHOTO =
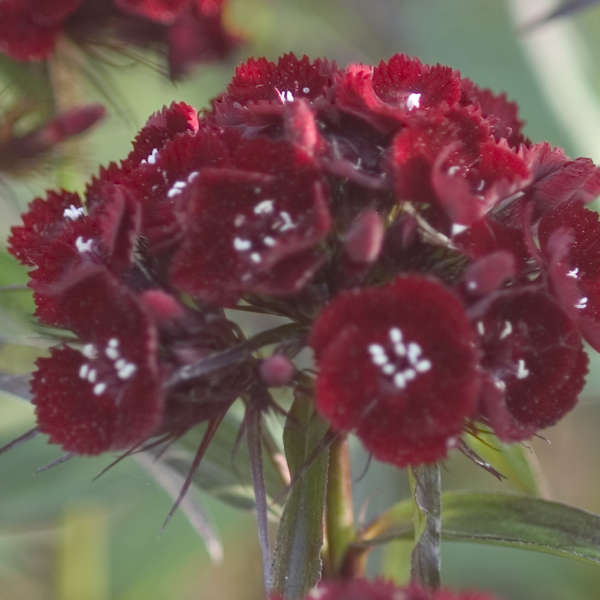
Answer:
(426, 484)
(339, 508)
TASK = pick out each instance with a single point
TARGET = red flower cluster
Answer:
(192, 30)
(361, 589)
(442, 267)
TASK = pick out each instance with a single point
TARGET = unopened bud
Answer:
(365, 237)
(277, 370)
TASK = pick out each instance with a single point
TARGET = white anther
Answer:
(90, 351)
(99, 389)
(264, 208)
(73, 212)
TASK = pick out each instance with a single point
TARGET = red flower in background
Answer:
(192, 31)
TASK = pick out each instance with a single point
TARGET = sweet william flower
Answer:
(397, 365)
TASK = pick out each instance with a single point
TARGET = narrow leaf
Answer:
(514, 461)
(224, 472)
(16, 385)
(297, 564)
(564, 10)
(501, 519)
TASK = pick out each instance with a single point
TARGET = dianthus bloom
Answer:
(192, 31)
(361, 589)
(441, 266)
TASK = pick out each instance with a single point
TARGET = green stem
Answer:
(340, 513)
(426, 483)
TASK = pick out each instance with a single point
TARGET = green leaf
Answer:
(501, 519)
(297, 564)
(516, 462)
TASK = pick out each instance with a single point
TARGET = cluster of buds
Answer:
(191, 31)
(443, 268)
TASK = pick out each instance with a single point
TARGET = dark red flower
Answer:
(569, 237)
(534, 363)
(398, 365)
(106, 394)
(397, 89)
(452, 163)
(252, 225)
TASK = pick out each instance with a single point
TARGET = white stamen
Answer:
(453, 170)
(395, 335)
(399, 380)
(380, 359)
(414, 352)
(264, 207)
(193, 175)
(112, 353)
(409, 374)
(239, 220)
(240, 245)
(120, 364)
(480, 327)
(269, 241)
(176, 189)
(305, 90)
(255, 257)
(83, 245)
(573, 273)
(73, 212)
(127, 371)
(413, 101)
(92, 375)
(89, 351)
(376, 349)
(113, 342)
(99, 389)
(423, 366)
(287, 221)
(500, 384)
(458, 228)
(400, 349)
(582, 303)
(83, 371)
(151, 158)
(507, 330)
(388, 369)
(522, 370)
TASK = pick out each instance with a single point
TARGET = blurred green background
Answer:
(64, 537)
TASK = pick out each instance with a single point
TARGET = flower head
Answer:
(440, 265)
